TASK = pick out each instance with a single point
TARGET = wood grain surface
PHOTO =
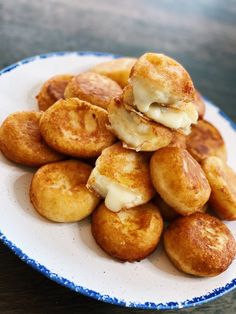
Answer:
(200, 34)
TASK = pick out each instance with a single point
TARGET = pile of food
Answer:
(126, 141)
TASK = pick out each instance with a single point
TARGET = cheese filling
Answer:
(151, 102)
(172, 118)
(116, 196)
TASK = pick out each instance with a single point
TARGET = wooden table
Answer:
(200, 34)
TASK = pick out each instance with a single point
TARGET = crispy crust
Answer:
(76, 128)
(21, 141)
(178, 140)
(179, 179)
(200, 245)
(118, 69)
(130, 235)
(204, 141)
(97, 89)
(134, 130)
(127, 168)
(58, 191)
(52, 90)
(222, 180)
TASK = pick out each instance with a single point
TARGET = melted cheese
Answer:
(116, 196)
(172, 118)
(145, 94)
(147, 99)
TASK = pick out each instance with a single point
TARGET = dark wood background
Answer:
(200, 34)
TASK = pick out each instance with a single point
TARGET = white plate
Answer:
(67, 253)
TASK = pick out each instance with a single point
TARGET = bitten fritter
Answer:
(21, 141)
(200, 245)
(179, 180)
(58, 191)
(76, 128)
(129, 235)
(163, 91)
(117, 69)
(52, 90)
(97, 89)
(134, 130)
(122, 177)
(222, 180)
(204, 141)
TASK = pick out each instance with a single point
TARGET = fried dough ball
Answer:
(222, 180)
(21, 141)
(58, 191)
(200, 105)
(52, 90)
(135, 131)
(122, 177)
(97, 89)
(204, 141)
(77, 128)
(179, 180)
(163, 91)
(129, 235)
(117, 69)
(200, 245)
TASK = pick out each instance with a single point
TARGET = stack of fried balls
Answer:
(126, 141)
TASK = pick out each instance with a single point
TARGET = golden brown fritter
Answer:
(166, 78)
(97, 89)
(58, 191)
(136, 131)
(222, 180)
(117, 69)
(21, 141)
(162, 90)
(204, 141)
(200, 245)
(52, 90)
(179, 180)
(129, 235)
(76, 128)
(122, 176)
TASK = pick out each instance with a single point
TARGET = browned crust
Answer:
(97, 89)
(76, 128)
(179, 179)
(222, 180)
(130, 235)
(58, 191)
(178, 140)
(21, 141)
(204, 141)
(200, 245)
(118, 69)
(52, 90)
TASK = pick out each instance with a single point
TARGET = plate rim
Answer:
(210, 296)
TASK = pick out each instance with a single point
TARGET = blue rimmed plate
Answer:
(67, 253)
